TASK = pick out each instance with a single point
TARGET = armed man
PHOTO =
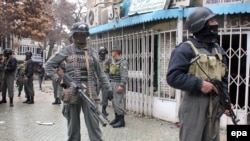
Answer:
(82, 65)
(20, 77)
(118, 76)
(28, 78)
(200, 103)
(105, 62)
(9, 68)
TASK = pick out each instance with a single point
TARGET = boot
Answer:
(31, 100)
(11, 102)
(104, 111)
(58, 101)
(115, 120)
(120, 123)
(3, 100)
(27, 100)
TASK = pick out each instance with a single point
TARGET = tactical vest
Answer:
(75, 65)
(22, 69)
(114, 70)
(210, 62)
(105, 66)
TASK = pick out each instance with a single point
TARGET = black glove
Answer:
(110, 95)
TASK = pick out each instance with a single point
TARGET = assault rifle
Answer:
(224, 99)
(81, 90)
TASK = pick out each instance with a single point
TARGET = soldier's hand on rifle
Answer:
(227, 112)
(208, 87)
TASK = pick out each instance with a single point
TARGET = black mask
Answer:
(209, 34)
(102, 56)
(80, 39)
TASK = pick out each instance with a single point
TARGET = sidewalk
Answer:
(19, 122)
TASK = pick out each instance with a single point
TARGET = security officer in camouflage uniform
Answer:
(82, 65)
(20, 77)
(118, 76)
(10, 65)
(105, 62)
(199, 108)
(28, 78)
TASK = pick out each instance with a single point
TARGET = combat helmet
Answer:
(197, 19)
(7, 52)
(28, 53)
(79, 27)
(102, 50)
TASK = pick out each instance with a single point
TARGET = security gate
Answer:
(138, 50)
(236, 42)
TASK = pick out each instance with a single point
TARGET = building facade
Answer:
(148, 38)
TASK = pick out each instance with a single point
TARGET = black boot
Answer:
(11, 102)
(27, 100)
(31, 100)
(58, 101)
(104, 110)
(3, 100)
(120, 122)
(115, 120)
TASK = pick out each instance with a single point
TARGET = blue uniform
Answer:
(195, 107)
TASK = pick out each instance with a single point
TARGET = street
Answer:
(20, 123)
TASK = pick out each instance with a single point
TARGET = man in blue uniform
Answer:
(198, 109)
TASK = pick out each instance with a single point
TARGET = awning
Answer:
(169, 14)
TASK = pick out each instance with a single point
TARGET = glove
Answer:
(60, 82)
(110, 95)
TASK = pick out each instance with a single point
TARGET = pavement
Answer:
(21, 122)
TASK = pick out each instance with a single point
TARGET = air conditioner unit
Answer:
(94, 17)
(113, 12)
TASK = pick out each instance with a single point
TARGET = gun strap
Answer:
(88, 70)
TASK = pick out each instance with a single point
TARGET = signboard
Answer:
(215, 2)
(144, 6)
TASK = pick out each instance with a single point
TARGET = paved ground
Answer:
(19, 122)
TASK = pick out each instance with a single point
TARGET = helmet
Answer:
(79, 27)
(28, 54)
(7, 52)
(103, 50)
(197, 19)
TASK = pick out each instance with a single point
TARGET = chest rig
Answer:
(210, 63)
(76, 66)
(114, 70)
(105, 65)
